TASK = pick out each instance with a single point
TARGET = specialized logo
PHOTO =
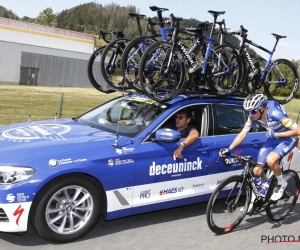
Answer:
(19, 211)
(290, 157)
(172, 168)
(171, 191)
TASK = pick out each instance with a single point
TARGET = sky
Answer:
(260, 17)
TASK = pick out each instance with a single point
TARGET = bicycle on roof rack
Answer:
(279, 78)
(229, 202)
(93, 69)
(134, 50)
(162, 66)
(110, 63)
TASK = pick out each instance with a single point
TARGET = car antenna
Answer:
(56, 109)
(30, 105)
(116, 144)
(60, 97)
(32, 90)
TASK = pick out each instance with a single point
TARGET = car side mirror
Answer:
(167, 135)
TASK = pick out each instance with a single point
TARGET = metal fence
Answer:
(23, 103)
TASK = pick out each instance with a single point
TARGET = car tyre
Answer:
(66, 209)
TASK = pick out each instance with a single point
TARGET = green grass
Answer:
(18, 101)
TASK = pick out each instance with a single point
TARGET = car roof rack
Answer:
(185, 94)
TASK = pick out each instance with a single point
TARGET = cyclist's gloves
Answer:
(224, 151)
(270, 133)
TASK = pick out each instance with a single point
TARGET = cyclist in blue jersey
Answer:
(282, 133)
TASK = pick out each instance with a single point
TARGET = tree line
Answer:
(92, 17)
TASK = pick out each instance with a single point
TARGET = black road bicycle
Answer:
(279, 78)
(162, 70)
(134, 50)
(228, 204)
(94, 71)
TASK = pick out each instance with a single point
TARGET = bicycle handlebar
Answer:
(113, 33)
(103, 35)
(247, 159)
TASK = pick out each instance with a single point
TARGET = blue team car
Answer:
(116, 160)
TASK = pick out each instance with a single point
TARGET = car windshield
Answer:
(128, 115)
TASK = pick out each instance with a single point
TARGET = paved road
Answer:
(179, 228)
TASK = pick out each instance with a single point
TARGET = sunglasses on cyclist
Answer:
(253, 111)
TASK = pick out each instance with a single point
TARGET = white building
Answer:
(41, 55)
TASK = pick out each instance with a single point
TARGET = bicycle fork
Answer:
(236, 199)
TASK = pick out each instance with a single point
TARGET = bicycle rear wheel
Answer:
(254, 85)
(278, 210)
(131, 59)
(243, 90)
(110, 63)
(94, 72)
(282, 81)
(160, 81)
(224, 70)
(228, 205)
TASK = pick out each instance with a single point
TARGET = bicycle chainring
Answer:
(258, 205)
(196, 78)
(256, 83)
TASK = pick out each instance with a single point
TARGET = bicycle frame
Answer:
(247, 177)
(141, 47)
(209, 50)
(269, 63)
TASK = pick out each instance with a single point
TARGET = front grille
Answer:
(3, 216)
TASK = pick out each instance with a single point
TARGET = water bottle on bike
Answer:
(257, 182)
(262, 187)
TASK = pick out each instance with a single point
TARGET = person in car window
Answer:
(145, 117)
(190, 133)
(281, 132)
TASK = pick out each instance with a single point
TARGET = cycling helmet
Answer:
(254, 101)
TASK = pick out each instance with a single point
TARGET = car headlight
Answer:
(11, 175)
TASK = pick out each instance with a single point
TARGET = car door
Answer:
(160, 178)
(229, 120)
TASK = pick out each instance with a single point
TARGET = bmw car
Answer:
(116, 160)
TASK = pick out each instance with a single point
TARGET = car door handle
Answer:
(204, 149)
(256, 143)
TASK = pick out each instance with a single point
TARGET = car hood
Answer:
(24, 141)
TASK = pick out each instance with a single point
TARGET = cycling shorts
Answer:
(281, 146)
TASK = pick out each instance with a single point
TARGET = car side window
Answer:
(230, 119)
(196, 119)
(256, 127)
